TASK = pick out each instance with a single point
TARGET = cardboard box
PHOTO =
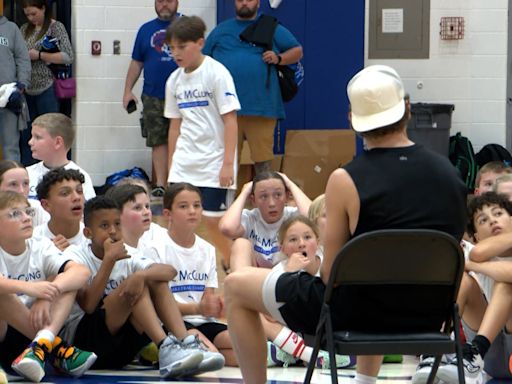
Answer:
(311, 156)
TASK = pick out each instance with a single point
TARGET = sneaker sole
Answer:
(450, 376)
(77, 372)
(422, 377)
(187, 366)
(212, 364)
(30, 370)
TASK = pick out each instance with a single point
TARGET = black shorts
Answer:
(210, 330)
(12, 346)
(356, 307)
(113, 351)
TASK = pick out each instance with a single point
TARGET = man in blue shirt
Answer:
(151, 53)
(261, 103)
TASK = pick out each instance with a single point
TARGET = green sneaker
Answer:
(148, 355)
(276, 357)
(342, 361)
(70, 360)
(30, 364)
(3, 376)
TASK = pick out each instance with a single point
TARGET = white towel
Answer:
(6, 91)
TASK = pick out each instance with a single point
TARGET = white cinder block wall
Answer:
(108, 139)
(470, 73)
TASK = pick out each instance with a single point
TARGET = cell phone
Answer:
(131, 107)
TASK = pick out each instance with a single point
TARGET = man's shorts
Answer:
(216, 200)
(12, 346)
(259, 133)
(113, 351)
(210, 330)
(153, 122)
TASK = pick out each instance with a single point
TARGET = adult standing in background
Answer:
(151, 53)
(261, 103)
(41, 97)
(14, 67)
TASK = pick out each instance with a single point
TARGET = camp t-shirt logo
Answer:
(158, 43)
(4, 41)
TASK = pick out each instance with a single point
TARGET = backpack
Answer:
(462, 156)
(261, 33)
(114, 178)
(493, 152)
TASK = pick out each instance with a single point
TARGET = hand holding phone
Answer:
(131, 107)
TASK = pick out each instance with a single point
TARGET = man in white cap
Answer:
(395, 184)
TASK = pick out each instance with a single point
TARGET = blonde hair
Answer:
(57, 124)
(492, 166)
(316, 208)
(9, 198)
(502, 179)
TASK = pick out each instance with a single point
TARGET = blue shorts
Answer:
(216, 200)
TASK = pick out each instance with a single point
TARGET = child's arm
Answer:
(491, 247)
(303, 202)
(158, 272)
(73, 277)
(40, 289)
(231, 223)
(209, 306)
(227, 176)
(89, 296)
(174, 132)
(498, 270)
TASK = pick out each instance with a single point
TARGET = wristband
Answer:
(39, 55)
(279, 58)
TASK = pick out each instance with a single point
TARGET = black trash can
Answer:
(430, 126)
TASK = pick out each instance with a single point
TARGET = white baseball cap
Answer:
(376, 96)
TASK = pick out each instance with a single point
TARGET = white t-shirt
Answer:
(38, 170)
(200, 98)
(44, 231)
(40, 260)
(122, 269)
(41, 216)
(263, 236)
(196, 267)
(154, 234)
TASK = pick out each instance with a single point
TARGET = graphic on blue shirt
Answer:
(158, 43)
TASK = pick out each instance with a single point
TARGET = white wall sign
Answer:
(393, 20)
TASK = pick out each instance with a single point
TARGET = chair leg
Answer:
(433, 371)
(330, 348)
(458, 347)
(312, 361)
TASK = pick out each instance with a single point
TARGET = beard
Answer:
(246, 12)
(165, 15)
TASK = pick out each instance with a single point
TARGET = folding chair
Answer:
(392, 292)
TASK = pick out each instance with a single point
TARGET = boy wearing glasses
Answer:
(37, 290)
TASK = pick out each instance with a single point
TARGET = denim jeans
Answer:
(9, 135)
(45, 102)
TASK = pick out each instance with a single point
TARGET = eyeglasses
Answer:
(17, 214)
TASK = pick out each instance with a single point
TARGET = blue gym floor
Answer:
(390, 373)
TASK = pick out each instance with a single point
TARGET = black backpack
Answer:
(493, 152)
(462, 156)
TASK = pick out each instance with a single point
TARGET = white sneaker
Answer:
(423, 370)
(473, 367)
(179, 358)
(276, 357)
(212, 361)
(342, 361)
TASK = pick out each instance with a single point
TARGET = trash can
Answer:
(430, 126)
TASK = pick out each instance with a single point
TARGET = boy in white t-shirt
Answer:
(52, 137)
(127, 299)
(61, 195)
(38, 286)
(201, 101)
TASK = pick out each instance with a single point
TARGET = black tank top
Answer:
(409, 187)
